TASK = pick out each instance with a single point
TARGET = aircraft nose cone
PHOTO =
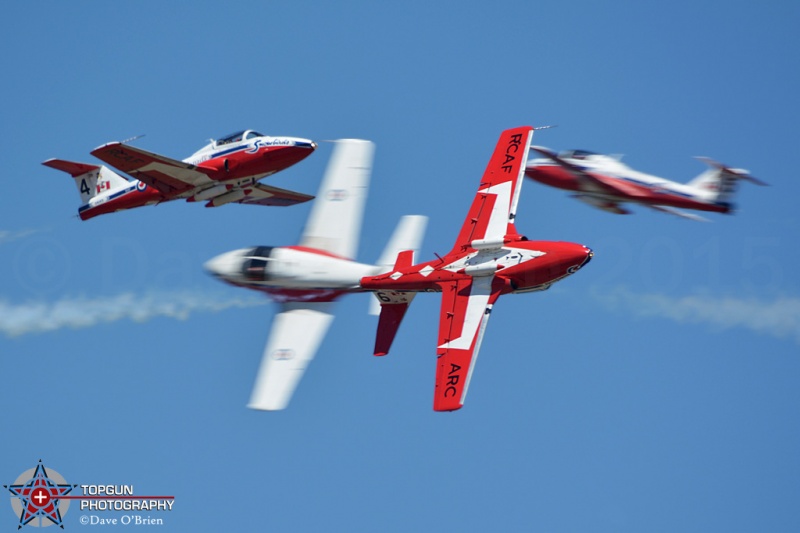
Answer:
(581, 256)
(305, 143)
(589, 255)
(226, 266)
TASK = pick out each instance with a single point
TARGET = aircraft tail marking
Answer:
(91, 180)
(719, 183)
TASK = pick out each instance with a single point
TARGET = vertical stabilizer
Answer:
(407, 236)
(406, 239)
(91, 180)
(719, 183)
(716, 186)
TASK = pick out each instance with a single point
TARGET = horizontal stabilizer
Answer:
(737, 172)
(91, 180)
(70, 167)
(394, 305)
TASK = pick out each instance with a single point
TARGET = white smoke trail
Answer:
(779, 317)
(9, 236)
(40, 317)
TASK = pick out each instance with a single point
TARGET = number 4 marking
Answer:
(84, 187)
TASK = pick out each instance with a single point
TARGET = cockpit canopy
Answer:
(254, 267)
(577, 154)
(228, 139)
(238, 136)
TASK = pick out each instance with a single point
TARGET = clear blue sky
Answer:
(656, 390)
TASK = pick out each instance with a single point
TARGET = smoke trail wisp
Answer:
(778, 317)
(40, 317)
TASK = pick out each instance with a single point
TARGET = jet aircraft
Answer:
(306, 279)
(224, 171)
(605, 182)
(488, 259)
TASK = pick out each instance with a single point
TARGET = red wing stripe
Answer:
(493, 208)
(464, 314)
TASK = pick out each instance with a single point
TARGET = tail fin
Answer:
(407, 236)
(719, 183)
(91, 180)
(405, 241)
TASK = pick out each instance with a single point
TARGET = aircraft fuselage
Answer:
(234, 165)
(522, 266)
(644, 188)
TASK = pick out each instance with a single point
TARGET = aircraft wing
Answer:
(592, 183)
(268, 195)
(491, 216)
(677, 212)
(335, 220)
(169, 176)
(297, 331)
(466, 305)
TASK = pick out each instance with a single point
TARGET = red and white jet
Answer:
(224, 171)
(306, 279)
(489, 258)
(605, 182)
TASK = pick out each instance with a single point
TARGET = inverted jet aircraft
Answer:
(605, 182)
(488, 259)
(306, 279)
(224, 171)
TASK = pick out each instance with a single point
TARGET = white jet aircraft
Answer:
(306, 279)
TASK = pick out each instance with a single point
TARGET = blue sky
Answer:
(654, 391)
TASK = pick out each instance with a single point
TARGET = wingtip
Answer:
(268, 408)
(442, 405)
(104, 146)
(443, 409)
